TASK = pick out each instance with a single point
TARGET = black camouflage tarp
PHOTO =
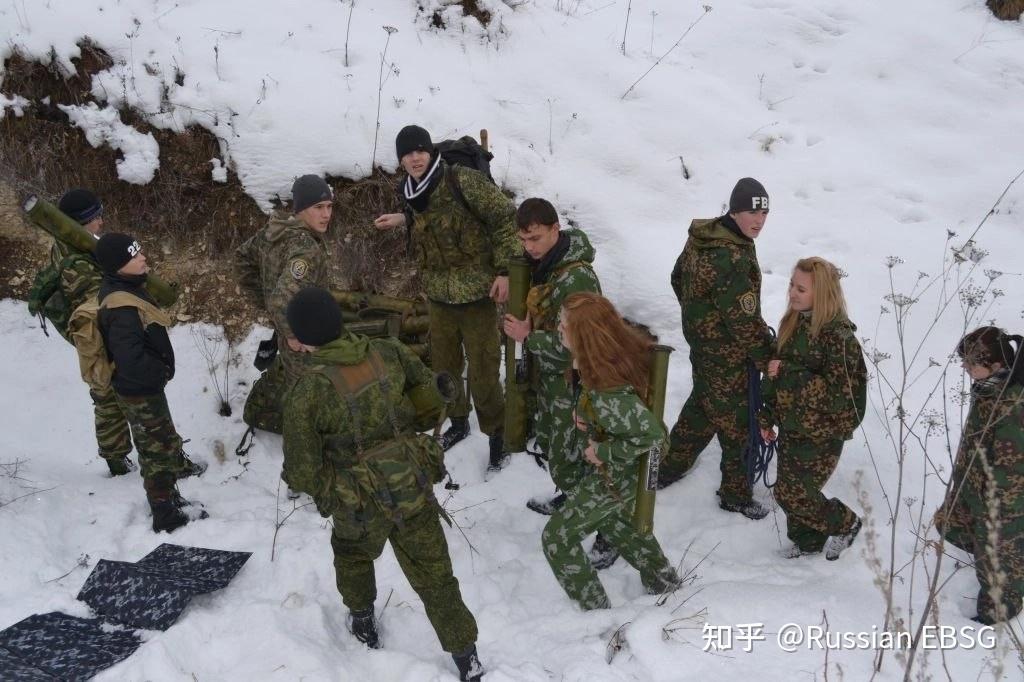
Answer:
(150, 594)
(153, 592)
(56, 646)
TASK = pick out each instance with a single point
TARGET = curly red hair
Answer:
(608, 352)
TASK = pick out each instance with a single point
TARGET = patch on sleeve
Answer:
(748, 302)
(298, 268)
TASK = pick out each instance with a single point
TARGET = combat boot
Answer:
(497, 457)
(546, 506)
(468, 663)
(458, 430)
(121, 466)
(602, 554)
(164, 503)
(795, 551)
(363, 625)
(667, 580)
(190, 468)
(835, 544)
(751, 508)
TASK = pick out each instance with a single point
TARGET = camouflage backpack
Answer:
(47, 299)
(395, 475)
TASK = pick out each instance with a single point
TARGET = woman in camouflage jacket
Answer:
(616, 428)
(983, 512)
(815, 393)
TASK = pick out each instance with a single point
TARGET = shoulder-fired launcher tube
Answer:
(66, 230)
(647, 481)
(516, 383)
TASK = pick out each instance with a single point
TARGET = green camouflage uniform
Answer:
(80, 279)
(817, 401)
(718, 283)
(994, 435)
(156, 439)
(272, 266)
(555, 425)
(349, 438)
(624, 429)
(459, 257)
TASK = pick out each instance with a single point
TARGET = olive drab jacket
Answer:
(461, 251)
(821, 390)
(349, 434)
(277, 261)
(717, 281)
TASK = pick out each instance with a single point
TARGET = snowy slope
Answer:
(875, 126)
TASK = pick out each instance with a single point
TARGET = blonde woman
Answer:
(815, 393)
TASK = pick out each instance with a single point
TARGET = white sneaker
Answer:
(835, 545)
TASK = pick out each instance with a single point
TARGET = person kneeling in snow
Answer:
(351, 444)
(983, 512)
(134, 332)
(615, 429)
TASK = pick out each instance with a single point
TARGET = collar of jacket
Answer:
(991, 385)
(347, 349)
(543, 266)
(709, 232)
(281, 222)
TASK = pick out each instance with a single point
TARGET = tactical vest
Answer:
(389, 466)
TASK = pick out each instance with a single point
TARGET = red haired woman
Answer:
(616, 428)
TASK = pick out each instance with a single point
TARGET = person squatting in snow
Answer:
(815, 391)
(983, 512)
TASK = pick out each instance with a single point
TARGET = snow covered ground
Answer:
(875, 126)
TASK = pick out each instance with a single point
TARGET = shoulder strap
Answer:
(351, 380)
(148, 312)
(455, 187)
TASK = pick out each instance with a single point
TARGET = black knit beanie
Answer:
(81, 205)
(114, 250)
(314, 316)
(309, 190)
(411, 139)
(748, 195)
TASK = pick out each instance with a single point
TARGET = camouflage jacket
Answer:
(821, 389)
(994, 430)
(623, 429)
(277, 261)
(717, 281)
(459, 256)
(572, 274)
(348, 433)
(80, 274)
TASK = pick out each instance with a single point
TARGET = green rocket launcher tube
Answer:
(647, 481)
(516, 379)
(50, 219)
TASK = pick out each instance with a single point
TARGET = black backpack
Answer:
(466, 151)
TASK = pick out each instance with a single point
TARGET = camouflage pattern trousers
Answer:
(422, 552)
(113, 436)
(717, 406)
(556, 428)
(264, 408)
(999, 565)
(468, 333)
(586, 511)
(153, 431)
(804, 468)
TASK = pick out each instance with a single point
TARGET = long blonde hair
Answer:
(828, 304)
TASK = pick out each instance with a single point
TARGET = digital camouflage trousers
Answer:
(422, 552)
